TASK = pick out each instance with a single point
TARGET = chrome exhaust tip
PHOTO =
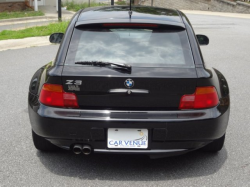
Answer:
(86, 149)
(77, 149)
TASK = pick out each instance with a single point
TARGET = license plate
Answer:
(127, 138)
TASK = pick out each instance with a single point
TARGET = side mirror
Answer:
(56, 38)
(202, 39)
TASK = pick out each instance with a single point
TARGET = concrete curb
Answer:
(24, 21)
(24, 43)
(27, 18)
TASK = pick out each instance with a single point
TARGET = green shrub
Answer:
(121, 2)
(72, 5)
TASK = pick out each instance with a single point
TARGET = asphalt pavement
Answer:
(22, 165)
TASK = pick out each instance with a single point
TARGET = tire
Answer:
(215, 146)
(42, 144)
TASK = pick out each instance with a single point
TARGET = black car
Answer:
(130, 82)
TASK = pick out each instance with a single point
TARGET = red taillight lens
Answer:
(53, 95)
(204, 97)
(70, 100)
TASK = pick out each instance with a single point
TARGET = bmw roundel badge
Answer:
(129, 83)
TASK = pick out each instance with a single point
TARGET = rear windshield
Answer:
(136, 47)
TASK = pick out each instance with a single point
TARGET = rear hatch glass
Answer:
(133, 46)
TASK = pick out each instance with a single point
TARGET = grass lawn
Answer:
(34, 31)
(28, 13)
(78, 6)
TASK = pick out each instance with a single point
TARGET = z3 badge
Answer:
(73, 85)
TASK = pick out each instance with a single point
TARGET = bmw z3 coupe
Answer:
(129, 81)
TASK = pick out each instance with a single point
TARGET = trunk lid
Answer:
(104, 89)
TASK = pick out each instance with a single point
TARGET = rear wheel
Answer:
(42, 144)
(215, 146)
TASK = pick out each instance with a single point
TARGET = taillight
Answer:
(53, 95)
(204, 97)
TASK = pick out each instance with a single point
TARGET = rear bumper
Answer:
(170, 133)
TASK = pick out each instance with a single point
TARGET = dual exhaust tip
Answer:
(85, 149)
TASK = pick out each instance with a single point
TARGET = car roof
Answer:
(141, 14)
